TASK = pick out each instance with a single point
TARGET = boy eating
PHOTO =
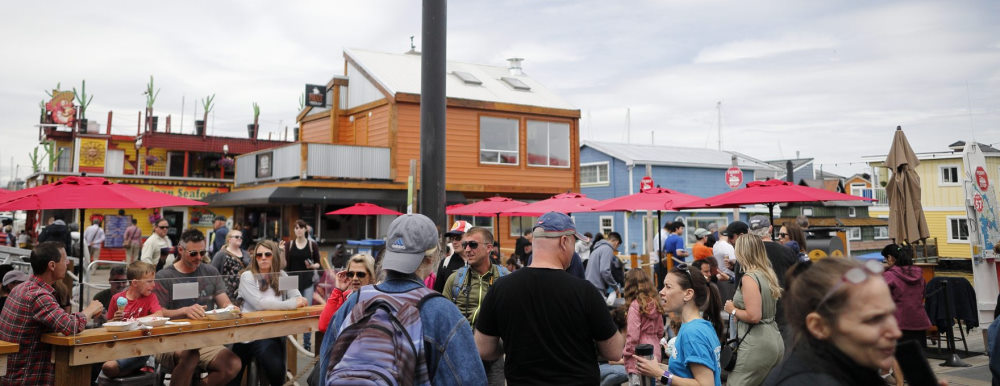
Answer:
(141, 302)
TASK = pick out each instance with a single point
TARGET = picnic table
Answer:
(74, 354)
(6, 348)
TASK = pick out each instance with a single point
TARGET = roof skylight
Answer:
(467, 77)
(517, 84)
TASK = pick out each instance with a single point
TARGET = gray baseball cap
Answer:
(410, 235)
(759, 222)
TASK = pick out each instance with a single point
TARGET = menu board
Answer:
(114, 230)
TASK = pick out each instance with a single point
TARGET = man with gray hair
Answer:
(548, 319)
(447, 350)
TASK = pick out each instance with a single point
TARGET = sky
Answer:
(826, 80)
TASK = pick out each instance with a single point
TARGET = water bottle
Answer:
(646, 351)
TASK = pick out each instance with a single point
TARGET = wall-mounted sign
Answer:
(92, 152)
(645, 184)
(189, 192)
(982, 179)
(61, 107)
(734, 177)
(315, 95)
(265, 162)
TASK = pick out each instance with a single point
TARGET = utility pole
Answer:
(432, 112)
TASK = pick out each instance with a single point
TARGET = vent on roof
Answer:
(517, 84)
(467, 77)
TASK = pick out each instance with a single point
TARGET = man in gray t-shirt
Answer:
(210, 286)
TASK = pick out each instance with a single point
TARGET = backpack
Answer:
(381, 341)
(464, 271)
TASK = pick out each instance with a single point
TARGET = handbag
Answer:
(727, 356)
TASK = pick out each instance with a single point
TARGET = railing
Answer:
(881, 198)
(317, 161)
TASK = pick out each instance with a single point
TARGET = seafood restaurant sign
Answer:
(189, 192)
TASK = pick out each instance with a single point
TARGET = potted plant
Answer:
(252, 128)
(207, 104)
(151, 160)
(150, 100)
(81, 98)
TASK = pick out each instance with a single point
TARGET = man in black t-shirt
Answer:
(548, 319)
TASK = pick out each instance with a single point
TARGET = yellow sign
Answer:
(92, 151)
(188, 192)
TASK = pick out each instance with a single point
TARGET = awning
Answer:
(311, 195)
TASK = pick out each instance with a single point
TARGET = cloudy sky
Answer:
(830, 80)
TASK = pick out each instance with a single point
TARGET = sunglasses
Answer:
(470, 244)
(262, 254)
(683, 267)
(236, 237)
(164, 227)
(782, 234)
(853, 276)
(196, 253)
(352, 274)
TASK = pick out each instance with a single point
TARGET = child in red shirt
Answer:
(141, 302)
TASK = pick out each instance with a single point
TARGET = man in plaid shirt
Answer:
(31, 311)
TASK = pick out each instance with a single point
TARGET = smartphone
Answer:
(916, 370)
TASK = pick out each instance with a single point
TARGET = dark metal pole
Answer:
(431, 200)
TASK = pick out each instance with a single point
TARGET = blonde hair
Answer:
(366, 260)
(639, 287)
(750, 253)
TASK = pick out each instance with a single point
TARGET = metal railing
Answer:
(881, 198)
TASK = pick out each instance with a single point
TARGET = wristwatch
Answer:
(734, 312)
(667, 378)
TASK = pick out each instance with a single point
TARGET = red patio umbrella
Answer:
(770, 193)
(365, 209)
(490, 207)
(658, 199)
(565, 203)
(88, 193)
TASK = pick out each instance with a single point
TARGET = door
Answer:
(176, 220)
(114, 163)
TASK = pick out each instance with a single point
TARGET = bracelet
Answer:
(667, 378)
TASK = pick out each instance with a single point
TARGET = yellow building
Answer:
(942, 176)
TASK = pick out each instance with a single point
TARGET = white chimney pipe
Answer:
(514, 66)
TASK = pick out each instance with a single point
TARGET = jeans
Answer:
(612, 374)
(270, 356)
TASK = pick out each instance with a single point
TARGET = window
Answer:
(852, 212)
(881, 233)
(498, 141)
(858, 188)
(467, 78)
(548, 144)
(949, 175)
(854, 233)
(807, 211)
(594, 173)
(515, 83)
(65, 160)
(485, 222)
(958, 230)
(607, 224)
(521, 224)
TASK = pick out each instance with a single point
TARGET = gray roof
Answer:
(401, 73)
(677, 156)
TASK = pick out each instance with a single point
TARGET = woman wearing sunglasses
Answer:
(360, 272)
(259, 290)
(845, 331)
(231, 261)
(754, 307)
(695, 358)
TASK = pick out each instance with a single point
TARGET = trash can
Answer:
(371, 247)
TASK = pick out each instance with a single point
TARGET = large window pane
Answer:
(548, 143)
(594, 174)
(498, 140)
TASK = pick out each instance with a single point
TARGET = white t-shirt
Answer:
(658, 243)
(723, 251)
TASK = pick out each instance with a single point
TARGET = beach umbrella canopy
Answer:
(563, 203)
(770, 193)
(906, 214)
(489, 207)
(650, 199)
(88, 193)
(4, 191)
(364, 209)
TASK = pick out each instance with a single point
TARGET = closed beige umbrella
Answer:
(906, 214)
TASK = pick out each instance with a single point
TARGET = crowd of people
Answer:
(448, 310)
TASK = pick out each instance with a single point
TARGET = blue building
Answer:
(609, 170)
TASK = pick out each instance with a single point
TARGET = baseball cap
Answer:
(701, 232)
(458, 228)
(736, 228)
(409, 236)
(759, 222)
(555, 224)
(14, 276)
(220, 218)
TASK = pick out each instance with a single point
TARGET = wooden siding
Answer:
(937, 223)
(378, 126)
(345, 132)
(465, 173)
(317, 131)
